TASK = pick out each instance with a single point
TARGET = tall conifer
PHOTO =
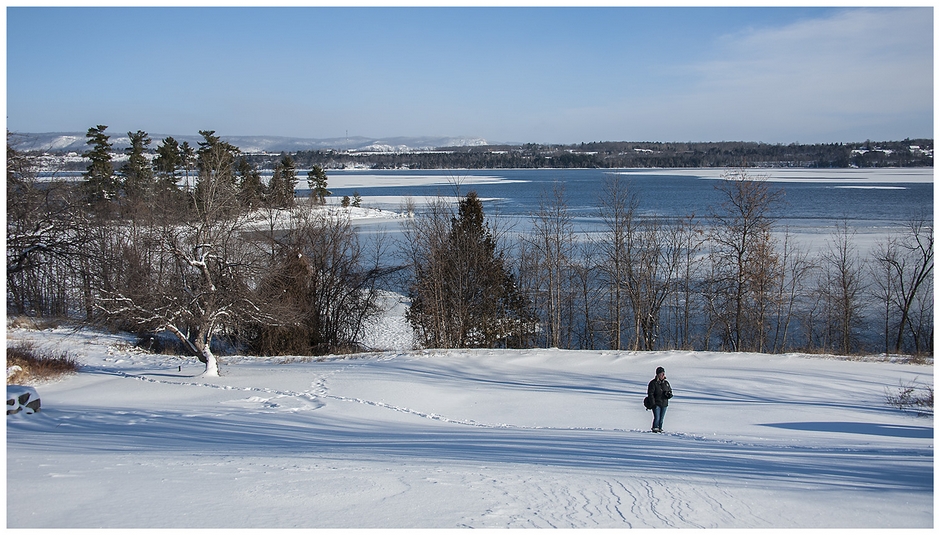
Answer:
(100, 183)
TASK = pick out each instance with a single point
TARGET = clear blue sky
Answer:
(543, 75)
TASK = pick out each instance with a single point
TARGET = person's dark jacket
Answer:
(659, 392)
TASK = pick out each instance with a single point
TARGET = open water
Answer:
(869, 200)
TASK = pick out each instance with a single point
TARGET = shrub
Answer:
(25, 365)
(912, 396)
(32, 323)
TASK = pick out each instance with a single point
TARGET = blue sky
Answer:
(526, 74)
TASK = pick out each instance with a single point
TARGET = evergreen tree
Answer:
(316, 180)
(100, 183)
(463, 294)
(283, 183)
(250, 187)
(216, 164)
(137, 173)
(275, 188)
(188, 161)
(167, 164)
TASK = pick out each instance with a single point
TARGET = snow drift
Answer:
(450, 439)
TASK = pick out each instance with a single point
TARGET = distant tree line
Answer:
(906, 153)
(192, 244)
(607, 155)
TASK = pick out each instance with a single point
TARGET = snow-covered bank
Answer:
(852, 177)
(484, 438)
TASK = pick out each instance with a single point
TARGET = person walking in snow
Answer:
(660, 392)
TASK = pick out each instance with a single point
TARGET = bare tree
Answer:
(590, 291)
(642, 263)
(617, 208)
(193, 281)
(795, 269)
(745, 260)
(46, 239)
(426, 248)
(654, 268)
(690, 238)
(903, 277)
(841, 289)
(323, 282)
(552, 244)
(197, 276)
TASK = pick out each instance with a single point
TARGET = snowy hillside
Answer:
(451, 439)
(76, 142)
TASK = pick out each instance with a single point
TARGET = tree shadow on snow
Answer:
(858, 428)
(245, 432)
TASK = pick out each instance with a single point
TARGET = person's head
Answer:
(660, 372)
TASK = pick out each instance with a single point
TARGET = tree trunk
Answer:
(200, 349)
(212, 363)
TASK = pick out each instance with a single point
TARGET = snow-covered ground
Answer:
(451, 439)
(874, 177)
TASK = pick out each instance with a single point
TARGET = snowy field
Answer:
(456, 439)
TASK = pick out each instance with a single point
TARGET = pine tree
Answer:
(188, 161)
(283, 183)
(316, 181)
(463, 294)
(250, 187)
(168, 162)
(137, 173)
(216, 165)
(100, 184)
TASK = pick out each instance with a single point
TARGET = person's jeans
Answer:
(658, 414)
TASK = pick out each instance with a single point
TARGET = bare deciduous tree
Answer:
(795, 269)
(904, 277)
(617, 208)
(551, 246)
(654, 265)
(841, 288)
(325, 284)
(46, 239)
(745, 260)
(199, 274)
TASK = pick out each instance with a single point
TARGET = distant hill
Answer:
(477, 153)
(65, 142)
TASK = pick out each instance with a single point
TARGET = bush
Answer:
(25, 365)
(912, 396)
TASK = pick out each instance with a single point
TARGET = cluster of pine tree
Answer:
(142, 177)
(189, 244)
